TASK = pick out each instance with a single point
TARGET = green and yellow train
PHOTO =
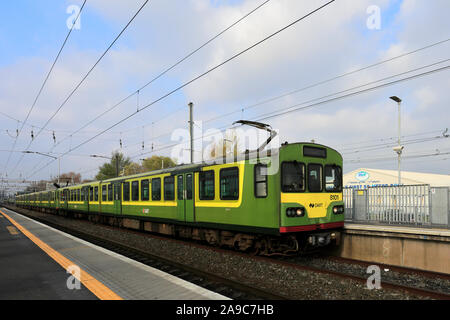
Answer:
(238, 204)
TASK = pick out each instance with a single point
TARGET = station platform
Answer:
(411, 232)
(41, 263)
(417, 248)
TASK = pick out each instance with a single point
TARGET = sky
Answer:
(340, 38)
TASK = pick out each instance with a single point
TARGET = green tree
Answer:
(157, 162)
(133, 168)
(108, 170)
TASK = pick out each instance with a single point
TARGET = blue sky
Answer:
(327, 44)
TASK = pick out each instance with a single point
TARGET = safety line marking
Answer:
(92, 284)
(12, 230)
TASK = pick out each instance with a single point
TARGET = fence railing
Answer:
(414, 205)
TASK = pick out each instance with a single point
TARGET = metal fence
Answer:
(415, 205)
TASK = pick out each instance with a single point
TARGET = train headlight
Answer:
(338, 209)
(295, 212)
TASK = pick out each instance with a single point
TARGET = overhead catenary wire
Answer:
(86, 75)
(285, 94)
(224, 128)
(44, 83)
(320, 102)
(388, 145)
(331, 79)
(207, 72)
(319, 83)
(160, 75)
(295, 108)
(170, 68)
(395, 158)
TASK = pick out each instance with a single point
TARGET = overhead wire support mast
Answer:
(86, 76)
(45, 82)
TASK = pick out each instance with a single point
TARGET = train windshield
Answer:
(333, 178)
(293, 177)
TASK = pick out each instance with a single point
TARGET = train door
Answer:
(117, 198)
(66, 199)
(185, 197)
(85, 197)
(57, 201)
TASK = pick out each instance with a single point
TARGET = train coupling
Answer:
(321, 239)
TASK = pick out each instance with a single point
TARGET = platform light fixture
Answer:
(398, 149)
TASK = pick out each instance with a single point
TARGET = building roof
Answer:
(378, 176)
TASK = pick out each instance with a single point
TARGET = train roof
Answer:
(195, 167)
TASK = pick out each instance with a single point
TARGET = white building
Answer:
(365, 177)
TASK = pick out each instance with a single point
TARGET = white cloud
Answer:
(331, 42)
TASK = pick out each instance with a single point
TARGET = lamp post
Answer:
(398, 149)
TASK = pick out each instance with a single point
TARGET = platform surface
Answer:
(27, 272)
(398, 229)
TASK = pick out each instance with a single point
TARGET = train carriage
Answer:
(239, 203)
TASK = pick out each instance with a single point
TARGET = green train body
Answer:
(239, 203)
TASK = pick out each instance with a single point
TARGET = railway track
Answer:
(237, 290)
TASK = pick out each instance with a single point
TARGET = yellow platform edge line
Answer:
(92, 284)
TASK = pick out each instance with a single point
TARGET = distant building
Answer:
(365, 177)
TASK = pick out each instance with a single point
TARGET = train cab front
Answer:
(312, 207)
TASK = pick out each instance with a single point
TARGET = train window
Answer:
(292, 176)
(96, 193)
(110, 192)
(333, 178)
(135, 191)
(126, 191)
(145, 195)
(260, 180)
(229, 184)
(206, 185)
(314, 177)
(169, 188)
(180, 187)
(82, 194)
(156, 189)
(104, 193)
(189, 186)
(78, 195)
